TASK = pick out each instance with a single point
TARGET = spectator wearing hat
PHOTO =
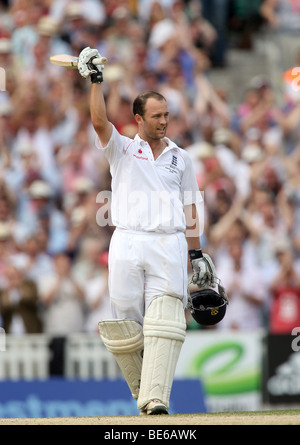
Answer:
(49, 33)
(165, 46)
(93, 11)
(19, 303)
(62, 298)
(37, 261)
(39, 209)
(119, 41)
(73, 21)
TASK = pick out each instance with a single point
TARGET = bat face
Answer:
(64, 60)
(69, 61)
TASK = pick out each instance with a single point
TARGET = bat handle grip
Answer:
(99, 61)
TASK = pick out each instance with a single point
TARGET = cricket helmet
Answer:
(207, 306)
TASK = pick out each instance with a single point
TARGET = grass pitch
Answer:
(268, 417)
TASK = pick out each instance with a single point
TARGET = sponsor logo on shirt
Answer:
(140, 157)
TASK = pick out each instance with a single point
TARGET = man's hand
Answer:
(204, 271)
(85, 64)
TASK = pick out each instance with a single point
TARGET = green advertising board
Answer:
(229, 364)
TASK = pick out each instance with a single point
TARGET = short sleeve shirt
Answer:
(149, 194)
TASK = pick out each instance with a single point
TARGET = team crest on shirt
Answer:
(173, 166)
(174, 160)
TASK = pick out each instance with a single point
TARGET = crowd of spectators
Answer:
(53, 248)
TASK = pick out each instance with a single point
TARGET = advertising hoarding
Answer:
(282, 376)
(77, 398)
(229, 365)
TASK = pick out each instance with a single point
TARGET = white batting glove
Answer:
(204, 271)
(85, 62)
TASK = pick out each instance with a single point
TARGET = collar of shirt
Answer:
(143, 143)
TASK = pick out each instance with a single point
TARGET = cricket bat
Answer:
(69, 61)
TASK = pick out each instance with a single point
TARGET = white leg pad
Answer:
(164, 334)
(124, 339)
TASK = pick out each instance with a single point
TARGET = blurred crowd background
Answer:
(53, 251)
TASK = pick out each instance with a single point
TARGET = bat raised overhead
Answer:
(69, 61)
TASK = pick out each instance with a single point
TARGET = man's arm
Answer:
(87, 70)
(100, 122)
(192, 227)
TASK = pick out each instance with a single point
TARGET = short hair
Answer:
(139, 103)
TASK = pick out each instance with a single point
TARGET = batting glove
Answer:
(204, 271)
(86, 67)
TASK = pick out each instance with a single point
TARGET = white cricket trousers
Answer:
(143, 266)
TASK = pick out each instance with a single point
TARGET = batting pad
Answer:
(124, 339)
(164, 334)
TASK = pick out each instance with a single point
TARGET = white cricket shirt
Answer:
(148, 195)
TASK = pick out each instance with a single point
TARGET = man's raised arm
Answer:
(86, 68)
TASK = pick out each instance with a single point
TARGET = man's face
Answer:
(153, 125)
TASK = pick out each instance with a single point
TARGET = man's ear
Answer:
(138, 118)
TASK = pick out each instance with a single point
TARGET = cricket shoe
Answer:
(155, 407)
